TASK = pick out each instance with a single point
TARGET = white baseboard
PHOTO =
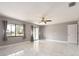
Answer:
(58, 41)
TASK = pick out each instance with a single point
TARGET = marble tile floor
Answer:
(40, 48)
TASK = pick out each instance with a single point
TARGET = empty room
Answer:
(39, 28)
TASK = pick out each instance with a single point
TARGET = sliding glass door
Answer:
(36, 33)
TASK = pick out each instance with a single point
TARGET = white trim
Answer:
(57, 41)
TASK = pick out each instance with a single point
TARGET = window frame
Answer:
(15, 30)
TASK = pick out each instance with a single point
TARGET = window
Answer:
(12, 29)
(15, 30)
(19, 30)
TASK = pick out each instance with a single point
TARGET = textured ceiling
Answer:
(58, 12)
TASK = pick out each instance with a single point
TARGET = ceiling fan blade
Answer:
(48, 20)
(45, 22)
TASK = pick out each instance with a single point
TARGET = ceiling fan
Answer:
(44, 20)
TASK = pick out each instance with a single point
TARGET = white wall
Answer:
(58, 32)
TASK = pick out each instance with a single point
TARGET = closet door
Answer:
(72, 33)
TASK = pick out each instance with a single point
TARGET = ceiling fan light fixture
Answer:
(44, 20)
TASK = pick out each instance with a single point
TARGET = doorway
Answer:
(35, 33)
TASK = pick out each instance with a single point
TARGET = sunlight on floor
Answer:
(17, 53)
(40, 48)
(36, 45)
